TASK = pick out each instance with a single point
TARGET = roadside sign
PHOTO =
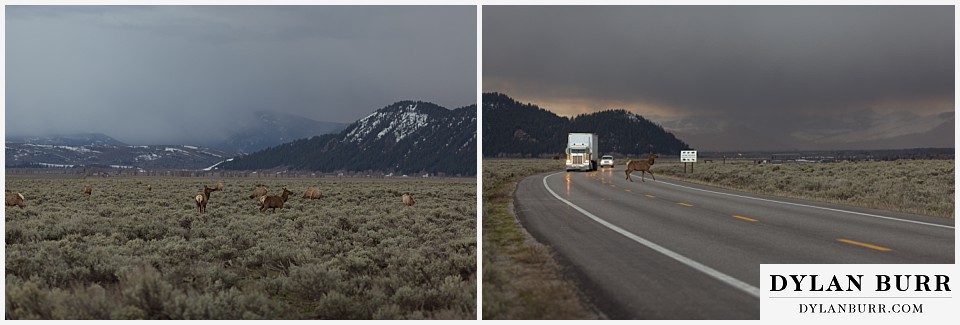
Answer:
(688, 156)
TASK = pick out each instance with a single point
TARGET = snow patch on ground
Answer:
(217, 164)
(55, 165)
(148, 157)
(405, 124)
(364, 127)
(48, 146)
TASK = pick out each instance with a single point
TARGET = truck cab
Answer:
(582, 152)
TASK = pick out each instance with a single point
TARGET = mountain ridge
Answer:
(404, 137)
(512, 129)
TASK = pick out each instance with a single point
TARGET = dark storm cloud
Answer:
(165, 74)
(795, 75)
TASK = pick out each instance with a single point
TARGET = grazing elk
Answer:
(203, 198)
(642, 165)
(15, 199)
(312, 193)
(408, 200)
(259, 192)
(273, 201)
(87, 189)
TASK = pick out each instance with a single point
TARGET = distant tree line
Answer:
(511, 128)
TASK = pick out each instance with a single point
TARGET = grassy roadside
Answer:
(923, 187)
(521, 280)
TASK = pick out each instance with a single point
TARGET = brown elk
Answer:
(15, 199)
(259, 192)
(408, 200)
(203, 198)
(312, 193)
(641, 165)
(87, 189)
(274, 201)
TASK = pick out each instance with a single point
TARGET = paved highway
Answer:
(675, 250)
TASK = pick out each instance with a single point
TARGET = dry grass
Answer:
(914, 186)
(124, 252)
(521, 280)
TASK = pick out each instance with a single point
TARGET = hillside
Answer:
(264, 129)
(512, 129)
(81, 154)
(406, 137)
(78, 139)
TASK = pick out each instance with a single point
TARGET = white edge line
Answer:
(743, 286)
(810, 206)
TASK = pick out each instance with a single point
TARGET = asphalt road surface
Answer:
(675, 250)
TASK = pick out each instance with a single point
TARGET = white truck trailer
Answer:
(582, 151)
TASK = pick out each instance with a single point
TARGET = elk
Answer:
(15, 199)
(87, 189)
(312, 193)
(273, 201)
(204, 197)
(259, 192)
(149, 188)
(408, 200)
(642, 165)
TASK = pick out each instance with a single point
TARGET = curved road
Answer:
(675, 250)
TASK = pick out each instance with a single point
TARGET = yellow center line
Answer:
(614, 186)
(650, 196)
(627, 189)
(685, 204)
(852, 242)
(747, 219)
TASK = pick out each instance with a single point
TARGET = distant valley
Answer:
(404, 137)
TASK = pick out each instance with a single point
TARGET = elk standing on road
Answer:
(642, 165)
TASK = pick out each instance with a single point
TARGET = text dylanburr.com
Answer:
(858, 291)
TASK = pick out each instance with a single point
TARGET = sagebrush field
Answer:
(125, 252)
(914, 186)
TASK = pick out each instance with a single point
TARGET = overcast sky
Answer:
(737, 77)
(148, 75)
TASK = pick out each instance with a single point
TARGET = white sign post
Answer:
(688, 156)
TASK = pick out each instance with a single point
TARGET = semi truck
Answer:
(582, 151)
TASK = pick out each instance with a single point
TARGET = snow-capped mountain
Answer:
(34, 155)
(404, 137)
